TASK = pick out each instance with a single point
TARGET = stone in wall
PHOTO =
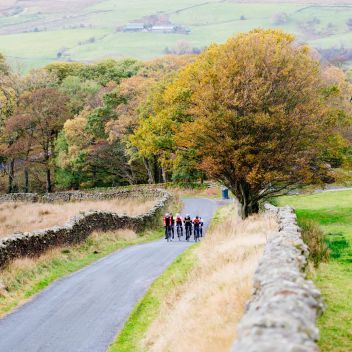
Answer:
(281, 316)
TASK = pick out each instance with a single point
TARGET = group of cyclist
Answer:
(192, 226)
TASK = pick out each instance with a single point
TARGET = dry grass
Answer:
(23, 217)
(212, 192)
(202, 314)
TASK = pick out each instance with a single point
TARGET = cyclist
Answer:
(179, 227)
(201, 224)
(196, 228)
(172, 225)
(167, 224)
(188, 226)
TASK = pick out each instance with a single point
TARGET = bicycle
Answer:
(188, 232)
(179, 230)
(196, 234)
(168, 234)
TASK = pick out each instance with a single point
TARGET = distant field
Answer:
(34, 32)
(24, 217)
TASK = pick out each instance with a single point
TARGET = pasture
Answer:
(87, 30)
(333, 212)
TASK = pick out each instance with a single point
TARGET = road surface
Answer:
(84, 311)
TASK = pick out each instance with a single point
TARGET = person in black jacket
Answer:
(188, 226)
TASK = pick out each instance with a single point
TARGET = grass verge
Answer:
(333, 212)
(25, 277)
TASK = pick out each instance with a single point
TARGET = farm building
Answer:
(133, 27)
(164, 29)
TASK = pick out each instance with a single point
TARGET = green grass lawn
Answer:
(333, 211)
(211, 21)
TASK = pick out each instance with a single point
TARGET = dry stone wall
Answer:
(81, 226)
(80, 196)
(281, 316)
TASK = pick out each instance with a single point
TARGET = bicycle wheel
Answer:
(196, 235)
(179, 233)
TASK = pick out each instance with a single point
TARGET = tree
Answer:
(84, 160)
(19, 135)
(79, 91)
(8, 101)
(44, 111)
(255, 111)
(102, 72)
(138, 94)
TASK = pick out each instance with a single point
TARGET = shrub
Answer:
(313, 236)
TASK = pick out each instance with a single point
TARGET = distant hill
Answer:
(36, 32)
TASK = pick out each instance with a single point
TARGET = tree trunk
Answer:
(157, 171)
(201, 179)
(245, 195)
(249, 209)
(26, 180)
(49, 187)
(164, 175)
(150, 174)
(11, 175)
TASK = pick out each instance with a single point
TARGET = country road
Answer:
(83, 311)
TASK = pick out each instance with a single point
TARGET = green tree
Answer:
(79, 91)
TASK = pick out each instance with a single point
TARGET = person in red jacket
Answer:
(179, 227)
(167, 221)
(172, 226)
(196, 228)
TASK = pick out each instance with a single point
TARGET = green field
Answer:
(333, 211)
(323, 26)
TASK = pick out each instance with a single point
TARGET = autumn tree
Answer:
(43, 113)
(255, 112)
(140, 100)
(8, 102)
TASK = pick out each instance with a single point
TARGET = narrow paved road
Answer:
(83, 312)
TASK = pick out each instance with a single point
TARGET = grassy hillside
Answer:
(333, 211)
(33, 33)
